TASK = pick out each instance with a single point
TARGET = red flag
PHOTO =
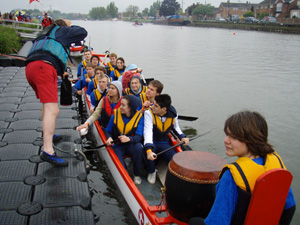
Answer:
(30, 1)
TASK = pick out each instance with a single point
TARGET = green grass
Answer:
(9, 40)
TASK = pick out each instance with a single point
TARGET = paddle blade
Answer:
(188, 118)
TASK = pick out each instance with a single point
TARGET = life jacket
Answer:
(98, 94)
(128, 91)
(46, 22)
(110, 67)
(161, 129)
(245, 173)
(48, 43)
(117, 73)
(95, 82)
(83, 63)
(120, 128)
(107, 111)
(143, 98)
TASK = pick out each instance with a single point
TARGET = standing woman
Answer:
(246, 138)
(127, 125)
(118, 70)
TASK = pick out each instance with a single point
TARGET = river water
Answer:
(210, 73)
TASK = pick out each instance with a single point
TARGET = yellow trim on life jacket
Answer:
(143, 98)
(162, 126)
(83, 64)
(117, 73)
(95, 81)
(253, 170)
(97, 94)
(111, 68)
(132, 124)
(128, 92)
(145, 88)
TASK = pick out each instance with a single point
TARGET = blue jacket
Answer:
(63, 35)
(80, 84)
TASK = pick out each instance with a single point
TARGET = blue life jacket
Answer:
(49, 44)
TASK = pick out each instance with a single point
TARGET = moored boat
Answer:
(175, 20)
(76, 51)
(147, 202)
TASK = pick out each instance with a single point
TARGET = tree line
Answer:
(158, 8)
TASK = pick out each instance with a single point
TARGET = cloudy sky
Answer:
(84, 6)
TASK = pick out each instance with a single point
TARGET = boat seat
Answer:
(269, 197)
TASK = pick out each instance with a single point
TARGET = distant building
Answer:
(267, 7)
(280, 8)
(228, 9)
(284, 7)
(276, 8)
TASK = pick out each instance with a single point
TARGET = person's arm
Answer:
(177, 129)
(97, 113)
(148, 129)
(179, 133)
(225, 202)
(148, 135)
(76, 88)
(69, 35)
(90, 88)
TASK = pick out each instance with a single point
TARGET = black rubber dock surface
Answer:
(32, 191)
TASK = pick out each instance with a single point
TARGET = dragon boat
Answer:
(185, 187)
(149, 203)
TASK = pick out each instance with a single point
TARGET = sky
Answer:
(84, 6)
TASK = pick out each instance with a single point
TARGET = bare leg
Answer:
(49, 114)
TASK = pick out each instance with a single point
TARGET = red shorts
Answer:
(42, 77)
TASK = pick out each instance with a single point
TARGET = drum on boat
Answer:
(190, 184)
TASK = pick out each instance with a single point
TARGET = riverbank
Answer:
(277, 28)
(290, 29)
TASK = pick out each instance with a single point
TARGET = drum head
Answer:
(197, 167)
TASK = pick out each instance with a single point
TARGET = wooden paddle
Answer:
(181, 143)
(103, 61)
